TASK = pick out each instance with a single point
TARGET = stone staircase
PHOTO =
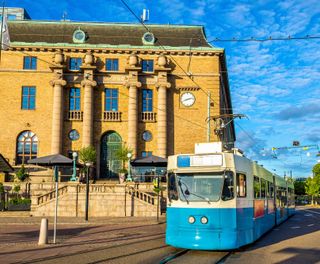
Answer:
(104, 200)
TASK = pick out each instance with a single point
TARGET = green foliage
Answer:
(1, 188)
(22, 174)
(316, 171)
(16, 201)
(16, 188)
(312, 187)
(122, 154)
(87, 154)
(300, 187)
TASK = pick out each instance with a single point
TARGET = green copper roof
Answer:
(105, 35)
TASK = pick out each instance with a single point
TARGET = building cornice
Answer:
(115, 49)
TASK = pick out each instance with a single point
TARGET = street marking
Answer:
(308, 215)
(313, 212)
(311, 225)
(275, 229)
(295, 227)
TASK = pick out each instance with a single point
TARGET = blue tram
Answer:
(222, 201)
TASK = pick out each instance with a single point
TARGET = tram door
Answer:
(109, 164)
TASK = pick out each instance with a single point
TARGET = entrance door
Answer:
(109, 165)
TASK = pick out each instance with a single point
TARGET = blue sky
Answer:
(274, 83)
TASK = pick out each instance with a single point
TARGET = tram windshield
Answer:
(199, 186)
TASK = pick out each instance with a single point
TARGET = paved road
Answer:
(141, 240)
(295, 241)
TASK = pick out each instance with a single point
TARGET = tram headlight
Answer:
(204, 220)
(191, 219)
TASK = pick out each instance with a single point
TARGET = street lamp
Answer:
(88, 164)
(129, 155)
(74, 174)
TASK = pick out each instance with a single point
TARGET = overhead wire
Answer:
(252, 39)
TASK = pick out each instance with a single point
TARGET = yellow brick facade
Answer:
(185, 125)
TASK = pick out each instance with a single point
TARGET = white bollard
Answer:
(43, 236)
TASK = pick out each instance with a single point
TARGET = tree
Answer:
(313, 183)
(22, 174)
(122, 154)
(87, 154)
(300, 187)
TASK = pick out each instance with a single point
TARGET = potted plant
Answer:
(88, 155)
(122, 155)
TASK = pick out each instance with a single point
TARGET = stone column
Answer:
(132, 82)
(162, 84)
(162, 119)
(57, 112)
(132, 119)
(87, 132)
(133, 116)
(88, 98)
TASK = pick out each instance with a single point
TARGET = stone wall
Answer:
(104, 200)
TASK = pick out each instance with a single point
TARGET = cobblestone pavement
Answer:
(142, 240)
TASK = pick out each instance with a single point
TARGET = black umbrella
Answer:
(150, 161)
(52, 160)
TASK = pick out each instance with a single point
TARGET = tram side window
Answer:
(284, 196)
(241, 185)
(256, 187)
(263, 188)
(228, 190)
(278, 193)
(172, 187)
(271, 190)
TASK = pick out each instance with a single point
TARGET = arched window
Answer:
(27, 147)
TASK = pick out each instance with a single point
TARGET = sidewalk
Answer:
(12, 218)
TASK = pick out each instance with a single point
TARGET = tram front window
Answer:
(199, 186)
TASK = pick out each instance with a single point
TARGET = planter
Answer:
(19, 207)
(122, 177)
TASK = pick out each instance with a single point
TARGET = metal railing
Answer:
(51, 195)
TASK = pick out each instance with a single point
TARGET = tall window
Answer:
(147, 65)
(74, 99)
(146, 100)
(112, 64)
(27, 147)
(74, 64)
(28, 98)
(111, 99)
(29, 63)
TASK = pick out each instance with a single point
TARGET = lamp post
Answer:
(88, 164)
(129, 155)
(74, 174)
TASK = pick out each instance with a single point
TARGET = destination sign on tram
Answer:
(199, 160)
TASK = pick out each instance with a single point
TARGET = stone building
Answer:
(66, 85)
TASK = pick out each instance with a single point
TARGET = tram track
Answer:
(190, 256)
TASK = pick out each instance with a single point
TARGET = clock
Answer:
(148, 38)
(79, 36)
(187, 99)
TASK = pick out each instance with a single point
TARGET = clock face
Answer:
(187, 99)
(79, 35)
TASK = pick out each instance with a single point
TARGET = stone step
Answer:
(15, 213)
